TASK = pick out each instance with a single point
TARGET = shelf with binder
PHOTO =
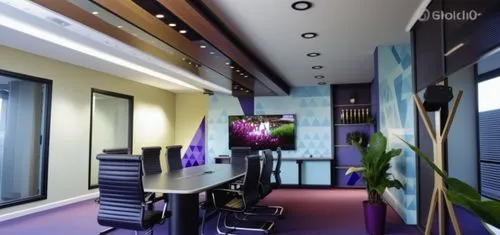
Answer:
(351, 105)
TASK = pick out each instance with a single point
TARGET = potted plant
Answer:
(375, 162)
(462, 194)
(356, 137)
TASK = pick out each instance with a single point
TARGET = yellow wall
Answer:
(154, 115)
(190, 108)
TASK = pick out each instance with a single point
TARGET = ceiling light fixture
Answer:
(313, 54)
(309, 35)
(321, 83)
(211, 53)
(203, 46)
(237, 70)
(301, 5)
(159, 16)
(319, 76)
(172, 24)
(119, 26)
(231, 67)
(317, 67)
(227, 63)
(182, 31)
(95, 13)
(246, 76)
(73, 45)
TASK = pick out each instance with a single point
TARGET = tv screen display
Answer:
(262, 131)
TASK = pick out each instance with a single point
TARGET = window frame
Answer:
(495, 73)
(130, 139)
(46, 141)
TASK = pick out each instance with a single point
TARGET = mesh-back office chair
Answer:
(240, 200)
(117, 151)
(174, 160)
(151, 165)
(277, 169)
(265, 188)
(121, 195)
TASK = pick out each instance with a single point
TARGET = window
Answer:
(489, 136)
(24, 138)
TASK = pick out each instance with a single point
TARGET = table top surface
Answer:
(193, 179)
(293, 158)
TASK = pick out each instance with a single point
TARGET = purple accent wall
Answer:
(348, 156)
(247, 104)
(342, 93)
(375, 93)
(195, 153)
(343, 180)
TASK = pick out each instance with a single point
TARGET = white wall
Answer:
(154, 115)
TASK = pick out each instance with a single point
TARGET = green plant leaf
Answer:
(377, 145)
(425, 157)
(488, 211)
(463, 188)
(354, 169)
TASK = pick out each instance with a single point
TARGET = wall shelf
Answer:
(355, 124)
(351, 105)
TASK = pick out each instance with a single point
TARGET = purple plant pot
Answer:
(374, 218)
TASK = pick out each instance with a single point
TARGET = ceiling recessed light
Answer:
(319, 76)
(172, 24)
(321, 83)
(189, 62)
(203, 46)
(237, 70)
(313, 54)
(231, 67)
(309, 35)
(183, 31)
(227, 63)
(95, 13)
(247, 91)
(242, 74)
(119, 26)
(183, 58)
(317, 67)
(211, 53)
(301, 5)
(246, 76)
(159, 16)
(134, 34)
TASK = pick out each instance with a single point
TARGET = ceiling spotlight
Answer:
(203, 46)
(189, 62)
(119, 26)
(182, 31)
(321, 83)
(172, 24)
(301, 5)
(95, 13)
(319, 76)
(242, 74)
(247, 91)
(317, 67)
(159, 16)
(309, 35)
(227, 63)
(231, 67)
(246, 76)
(211, 53)
(237, 70)
(313, 54)
(183, 58)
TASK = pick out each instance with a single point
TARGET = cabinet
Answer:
(349, 117)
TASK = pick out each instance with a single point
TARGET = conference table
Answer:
(184, 186)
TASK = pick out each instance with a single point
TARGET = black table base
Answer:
(185, 214)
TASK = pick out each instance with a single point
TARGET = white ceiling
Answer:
(349, 31)
(31, 28)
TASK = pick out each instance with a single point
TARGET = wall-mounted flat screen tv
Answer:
(262, 131)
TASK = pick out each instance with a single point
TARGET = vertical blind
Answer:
(489, 149)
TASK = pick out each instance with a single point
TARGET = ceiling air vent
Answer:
(58, 21)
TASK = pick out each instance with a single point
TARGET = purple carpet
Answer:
(318, 212)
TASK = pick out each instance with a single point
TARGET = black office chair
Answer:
(118, 151)
(239, 201)
(173, 155)
(121, 195)
(238, 155)
(277, 169)
(151, 165)
(265, 188)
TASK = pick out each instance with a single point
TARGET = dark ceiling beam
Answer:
(192, 17)
(156, 28)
